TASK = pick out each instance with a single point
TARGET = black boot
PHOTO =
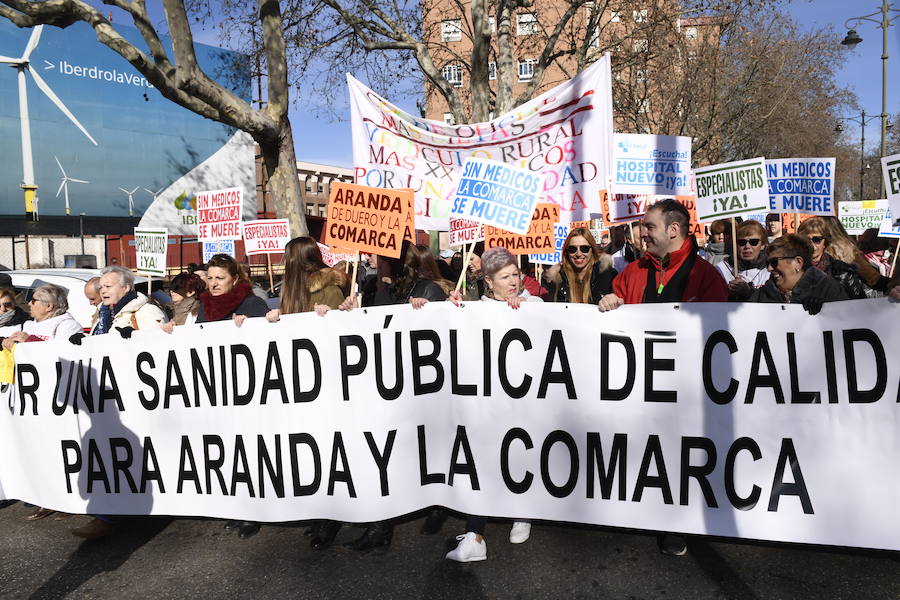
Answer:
(377, 537)
(434, 521)
(248, 529)
(324, 534)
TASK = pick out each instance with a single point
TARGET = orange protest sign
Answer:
(581, 224)
(409, 227)
(539, 238)
(366, 219)
(689, 202)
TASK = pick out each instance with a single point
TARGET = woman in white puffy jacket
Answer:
(50, 318)
(124, 307)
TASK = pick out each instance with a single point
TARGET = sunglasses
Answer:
(33, 300)
(6, 305)
(583, 249)
(817, 239)
(773, 262)
(752, 241)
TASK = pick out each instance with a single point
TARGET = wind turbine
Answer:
(130, 200)
(23, 64)
(156, 193)
(64, 185)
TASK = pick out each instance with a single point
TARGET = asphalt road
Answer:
(195, 558)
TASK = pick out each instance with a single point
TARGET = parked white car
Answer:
(26, 280)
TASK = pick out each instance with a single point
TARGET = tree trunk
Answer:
(280, 163)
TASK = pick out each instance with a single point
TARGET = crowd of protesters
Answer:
(820, 263)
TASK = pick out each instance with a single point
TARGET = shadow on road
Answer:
(99, 556)
(718, 569)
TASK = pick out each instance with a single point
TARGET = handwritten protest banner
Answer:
(366, 219)
(564, 136)
(731, 189)
(652, 164)
(266, 236)
(689, 202)
(856, 217)
(538, 239)
(890, 171)
(496, 194)
(150, 247)
(331, 257)
(801, 185)
(740, 419)
(214, 247)
(464, 231)
(560, 233)
(219, 214)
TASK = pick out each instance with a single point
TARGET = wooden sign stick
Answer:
(355, 284)
(734, 245)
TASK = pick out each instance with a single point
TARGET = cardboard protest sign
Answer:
(560, 233)
(464, 231)
(219, 214)
(564, 136)
(538, 239)
(890, 170)
(366, 219)
(890, 228)
(266, 236)
(651, 164)
(150, 246)
(214, 247)
(496, 194)
(856, 217)
(801, 185)
(731, 189)
(330, 257)
(689, 202)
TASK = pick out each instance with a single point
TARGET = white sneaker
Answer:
(520, 532)
(469, 549)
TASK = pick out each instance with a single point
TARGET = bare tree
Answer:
(180, 79)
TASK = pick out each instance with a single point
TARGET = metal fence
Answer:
(19, 252)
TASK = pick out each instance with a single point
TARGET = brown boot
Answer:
(97, 528)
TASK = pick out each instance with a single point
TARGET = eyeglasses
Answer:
(6, 305)
(817, 239)
(33, 300)
(752, 241)
(773, 261)
(583, 249)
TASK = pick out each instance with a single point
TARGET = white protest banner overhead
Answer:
(740, 420)
(150, 247)
(889, 227)
(652, 164)
(731, 189)
(856, 217)
(496, 194)
(219, 214)
(561, 231)
(801, 185)
(890, 170)
(564, 136)
(210, 249)
(464, 231)
(266, 236)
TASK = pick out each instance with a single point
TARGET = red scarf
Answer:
(217, 308)
(675, 260)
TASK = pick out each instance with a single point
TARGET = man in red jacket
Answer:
(670, 270)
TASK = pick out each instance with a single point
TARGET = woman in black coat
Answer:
(586, 273)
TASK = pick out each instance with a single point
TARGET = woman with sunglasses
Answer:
(752, 273)
(833, 256)
(10, 312)
(586, 273)
(793, 279)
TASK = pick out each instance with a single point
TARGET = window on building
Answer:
(309, 209)
(526, 69)
(640, 75)
(453, 74)
(690, 33)
(595, 39)
(615, 17)
(321, 210)
(448, 119)
(451, 31)
(641, 16)
(644, 106)
(492, 70)
(493, 23)
(526, 24)
(640, 45)
(308, 183)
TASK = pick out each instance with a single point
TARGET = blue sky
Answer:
(320, 140)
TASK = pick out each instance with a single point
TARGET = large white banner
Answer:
(746, 420)
(564, 135)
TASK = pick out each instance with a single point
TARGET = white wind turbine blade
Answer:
(32, 42)
(63, 171)
(61, 186)
(134, 190)
(55, 99)
(12, 61)
(78, 180)
(124, 190)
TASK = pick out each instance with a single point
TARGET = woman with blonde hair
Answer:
(843, 248)
(833, 254)
(585, 274)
